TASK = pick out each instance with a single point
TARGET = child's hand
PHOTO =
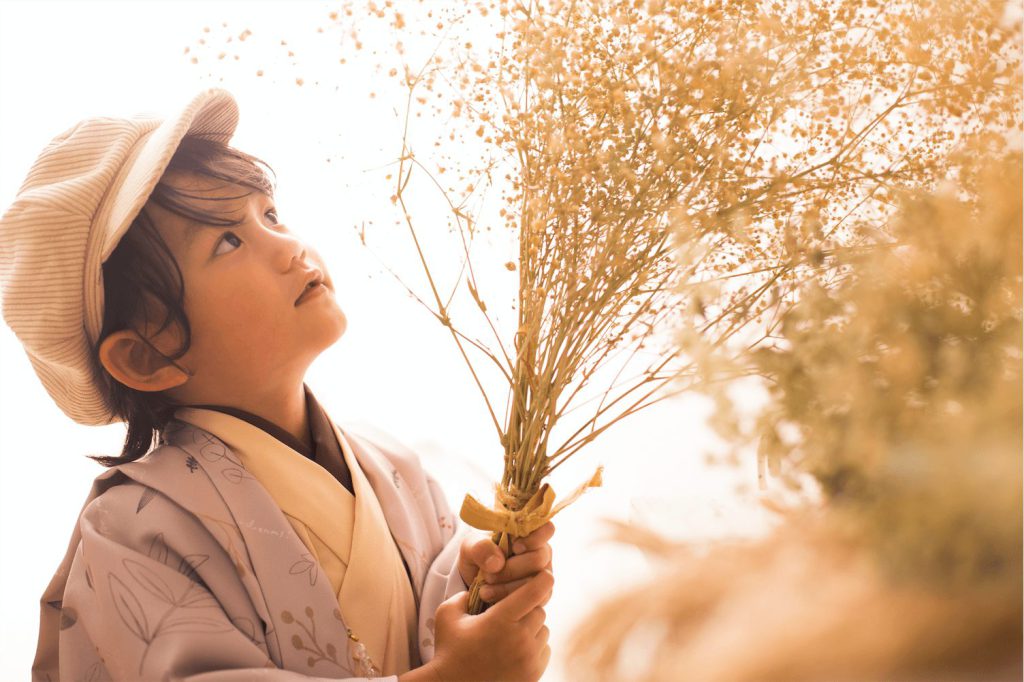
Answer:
(480, 554)
(507, 642)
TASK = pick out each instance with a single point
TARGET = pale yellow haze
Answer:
(251, 344)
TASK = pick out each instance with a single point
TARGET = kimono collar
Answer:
(312, 406)
(325, 451)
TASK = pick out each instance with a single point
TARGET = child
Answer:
(146, 271)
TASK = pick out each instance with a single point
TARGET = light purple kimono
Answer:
(182, 567)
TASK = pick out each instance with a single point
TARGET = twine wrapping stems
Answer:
(515, 523)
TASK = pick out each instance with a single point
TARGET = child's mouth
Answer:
(310, 292)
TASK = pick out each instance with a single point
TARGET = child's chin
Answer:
(340, 326)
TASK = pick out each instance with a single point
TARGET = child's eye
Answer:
(224, 239)
(272, 212)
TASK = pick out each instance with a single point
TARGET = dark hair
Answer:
(142, 272)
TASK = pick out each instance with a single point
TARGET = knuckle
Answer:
(520, 644)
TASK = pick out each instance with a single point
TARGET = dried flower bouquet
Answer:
(668, 161)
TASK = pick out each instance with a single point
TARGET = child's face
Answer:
(248, 336)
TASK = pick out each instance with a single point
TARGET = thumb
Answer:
(453, 607)
(482, 555)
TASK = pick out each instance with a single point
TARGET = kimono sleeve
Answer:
(154, 596)
(443, 579)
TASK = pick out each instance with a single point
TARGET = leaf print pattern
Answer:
(197, 596)
(306, 563)
(246, 627)
(429, 641)
(147, 495)
(195, 624)
(230, 534)
(234, 474)
(150, 581)
(129, 608)
(180, 616)
(212, 450)
(158, 549)
(97, 673)
(189, 564)
(57, 604)
(329, 652)
(68, 617)
(133, 615)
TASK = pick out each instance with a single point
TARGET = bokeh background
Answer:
(395, 372)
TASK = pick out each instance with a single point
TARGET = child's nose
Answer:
(287, 248)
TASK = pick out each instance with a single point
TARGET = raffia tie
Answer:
(534, 513)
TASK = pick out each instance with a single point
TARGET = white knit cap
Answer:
(79, 198)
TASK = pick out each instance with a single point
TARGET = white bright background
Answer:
(395, 369)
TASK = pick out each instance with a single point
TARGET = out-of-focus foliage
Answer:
(900, 384)
(808, 605)
(898, 387)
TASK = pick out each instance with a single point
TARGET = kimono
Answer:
(225, 555)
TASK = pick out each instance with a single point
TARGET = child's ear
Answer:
(136, 364)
